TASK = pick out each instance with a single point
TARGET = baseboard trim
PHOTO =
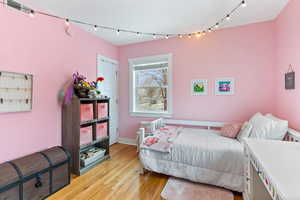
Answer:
(127, 141)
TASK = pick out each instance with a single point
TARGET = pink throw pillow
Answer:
(230, 130)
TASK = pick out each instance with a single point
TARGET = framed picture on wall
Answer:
(199, 87)
(224, 86)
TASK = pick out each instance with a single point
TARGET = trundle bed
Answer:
(200, 154)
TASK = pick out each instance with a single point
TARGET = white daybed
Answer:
(200, 155)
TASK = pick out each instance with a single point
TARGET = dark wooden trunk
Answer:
(36, 176)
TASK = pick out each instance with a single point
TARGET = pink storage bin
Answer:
(86, 135)
(102, 110)
(86, 112)
(101, 130)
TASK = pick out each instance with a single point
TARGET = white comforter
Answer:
(202, 156)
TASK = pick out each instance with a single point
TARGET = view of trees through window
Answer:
(151, 89)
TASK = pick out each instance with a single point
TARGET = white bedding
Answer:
(202, 156)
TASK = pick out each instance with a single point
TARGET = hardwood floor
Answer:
(116, 179)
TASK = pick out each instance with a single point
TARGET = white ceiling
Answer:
(160, 16)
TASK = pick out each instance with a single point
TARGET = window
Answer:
(151, 86)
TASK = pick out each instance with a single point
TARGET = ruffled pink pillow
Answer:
(230, 130)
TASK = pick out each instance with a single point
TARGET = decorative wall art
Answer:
(199, 87)
(224, 86)
(290, 79)
(15, 92)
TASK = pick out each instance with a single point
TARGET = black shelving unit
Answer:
(71, 116)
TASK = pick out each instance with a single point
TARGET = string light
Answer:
(67, 22)
(198, 35)
(217, 25)
(227, 17)
(204, 33)
(31, 13)
(244, 4)
(95, 27)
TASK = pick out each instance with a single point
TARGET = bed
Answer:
(200, 155)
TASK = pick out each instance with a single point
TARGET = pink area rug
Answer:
(179, 189)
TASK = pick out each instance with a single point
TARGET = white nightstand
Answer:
(272, 170)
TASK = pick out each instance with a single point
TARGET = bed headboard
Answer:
(292, 136)
(207, 124)
(153, 125)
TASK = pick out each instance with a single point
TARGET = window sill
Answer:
(150, 115)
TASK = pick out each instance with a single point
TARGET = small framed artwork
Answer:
(199, 87)
(224, 86)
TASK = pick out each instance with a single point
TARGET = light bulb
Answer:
(118, 32)
(228, 17)
(198, 34)
(217, 25)
(138, 33)
(204, 33)
(95, 28)
(190, 36)
(209, 30)
(67, 22)
(31, 13)
(167, 36)
(154, 36)
(244, 4)
(180, 36)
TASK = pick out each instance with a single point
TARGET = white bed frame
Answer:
(291, 136)
(156, 124)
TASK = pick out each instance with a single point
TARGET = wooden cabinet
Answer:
(85, 125)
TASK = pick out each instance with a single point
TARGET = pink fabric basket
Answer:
(86, 135)
(101, 130)
(102, 110)
(86, 112)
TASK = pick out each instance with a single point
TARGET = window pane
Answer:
(152, 77)
(151, 99)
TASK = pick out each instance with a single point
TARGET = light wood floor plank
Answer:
(116, 179)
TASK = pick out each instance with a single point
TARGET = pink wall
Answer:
(245, 53)
(288, 52)
(40, 46)
(255, 55)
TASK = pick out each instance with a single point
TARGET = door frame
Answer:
(100, 57)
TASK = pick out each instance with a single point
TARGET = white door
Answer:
(108, 69)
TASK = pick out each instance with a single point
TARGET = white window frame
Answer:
(145, 61)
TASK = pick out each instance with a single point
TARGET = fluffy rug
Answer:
(178, 189)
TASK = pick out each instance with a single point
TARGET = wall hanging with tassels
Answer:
(290, 79)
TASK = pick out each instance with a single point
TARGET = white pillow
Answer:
(245, 131)
(281, 127)
(263, 127)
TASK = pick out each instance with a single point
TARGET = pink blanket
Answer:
(162, 139)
